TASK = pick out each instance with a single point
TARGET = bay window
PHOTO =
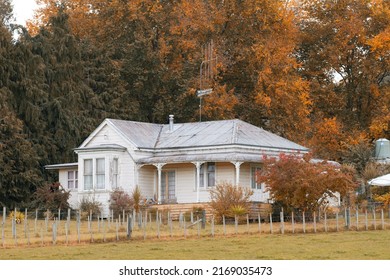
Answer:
(88, 174)
(100, 174)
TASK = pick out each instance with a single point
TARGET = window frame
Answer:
(88, 174)
(73, 179)
(253, 174)
(115, 173)
(205, 173)
(100, 173)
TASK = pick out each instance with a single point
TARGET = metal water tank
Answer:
(382, 148)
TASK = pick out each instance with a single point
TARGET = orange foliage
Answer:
(326, 141)
(301, 184)
(219, 104)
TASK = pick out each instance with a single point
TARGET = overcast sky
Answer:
(23, 10)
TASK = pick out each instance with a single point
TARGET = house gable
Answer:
(106, 134)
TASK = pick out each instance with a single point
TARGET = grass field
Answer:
(347, 245)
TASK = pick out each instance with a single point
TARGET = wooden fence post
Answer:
(374, 217)
(235, 224)
(104, 230)
(25, 223)
(198, 226)
(3, 226)
(35, 221)
(224, 224)
(270, 223)
(41, 235)
(303, 222)
(158, 224)
(259, 221)
(66, 233)
(357, 219)
(337, 221)
(282, 222)
(129, 226)
(117, 229)
(78, 226)
(383, 219)
(325, 222)
(184, 226)
(54, 232)
(315, 221)
(366, 220)
(170, 225)
(292, 222)
(247, 223)
(212, 225)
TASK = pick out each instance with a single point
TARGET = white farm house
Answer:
(173, 163)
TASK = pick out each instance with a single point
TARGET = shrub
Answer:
(137, 198)
(51, 197)
(300, 183)
(18, 216)
(90, 206)
(121, 201)
(226, 198)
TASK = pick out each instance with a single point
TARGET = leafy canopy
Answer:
(301, 183)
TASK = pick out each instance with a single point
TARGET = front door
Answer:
(168, 179)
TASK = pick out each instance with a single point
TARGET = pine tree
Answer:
(18, 160)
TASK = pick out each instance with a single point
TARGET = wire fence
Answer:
(25, 228)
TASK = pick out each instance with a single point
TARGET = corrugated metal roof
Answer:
(140, 133)
(200, 134)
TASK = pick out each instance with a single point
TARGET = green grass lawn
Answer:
(347, 245)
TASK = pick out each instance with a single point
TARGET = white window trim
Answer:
(258, 186)
(74, 179)
(205, 186)
(94, 174)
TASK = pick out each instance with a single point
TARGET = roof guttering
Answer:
(101, 148)
(72, 165)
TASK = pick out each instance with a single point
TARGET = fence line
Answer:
(67, 226)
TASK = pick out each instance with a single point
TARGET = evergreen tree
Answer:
(18, 160)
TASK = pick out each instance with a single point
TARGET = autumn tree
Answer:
(344, 54)
(260, 67)
(326, 140)
(299, 183)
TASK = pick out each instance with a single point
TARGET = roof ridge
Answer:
(234, 134)
(158, 136)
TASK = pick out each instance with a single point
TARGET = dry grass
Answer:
(352, 245)
(245, 241)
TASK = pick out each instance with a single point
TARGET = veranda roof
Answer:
(381, 181)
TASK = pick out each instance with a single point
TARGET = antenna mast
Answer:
(206, 73)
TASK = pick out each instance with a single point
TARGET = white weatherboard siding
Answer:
(147, 181)
(63, 179)
(107, 136)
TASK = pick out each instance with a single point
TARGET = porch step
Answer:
(183, 208)
(186, 208)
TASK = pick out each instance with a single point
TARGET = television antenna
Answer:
(206, 73)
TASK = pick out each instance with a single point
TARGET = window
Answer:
(88, 172)
(115, 173)
(100, 173)
(254, 178)
(207, 174)
(168, 185)
(72, 180)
